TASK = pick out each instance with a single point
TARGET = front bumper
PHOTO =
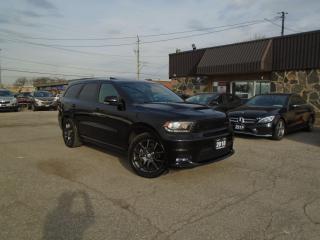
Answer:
(255, 129)
(9, 106)
(190, 153)
(45, 105)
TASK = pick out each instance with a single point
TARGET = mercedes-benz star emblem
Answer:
(241, 120)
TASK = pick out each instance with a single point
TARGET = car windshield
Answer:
(149, 92)
(42, 94)
(268, 100)
(202, 98)
(5, 93)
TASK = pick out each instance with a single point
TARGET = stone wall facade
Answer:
(190, 85)
(304, 83)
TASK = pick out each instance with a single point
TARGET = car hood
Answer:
(254, 111)
(6, 99)
(45, 98)
(182, 110)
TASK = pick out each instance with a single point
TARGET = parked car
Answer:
(272, 115)
(24, 99)
(8, 101)
(43, 100)
(155, 126)
(219, 101)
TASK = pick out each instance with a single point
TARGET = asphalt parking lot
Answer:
(266, 190)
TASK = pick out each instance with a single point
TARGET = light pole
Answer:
(0, 69)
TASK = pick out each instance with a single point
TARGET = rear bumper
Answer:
(193, 153)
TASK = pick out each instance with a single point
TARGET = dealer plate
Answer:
(238, 127)
(221, 143)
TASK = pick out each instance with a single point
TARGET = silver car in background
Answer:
(7, 101)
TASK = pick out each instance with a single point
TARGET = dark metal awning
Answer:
(246, 57)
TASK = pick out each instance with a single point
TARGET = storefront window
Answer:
(262, 87)
(248, 89)
(243, 89)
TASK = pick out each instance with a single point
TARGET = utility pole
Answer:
(0, 69)
(283, 16)
(138, 58)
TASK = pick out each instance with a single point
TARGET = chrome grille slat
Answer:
(246, 120)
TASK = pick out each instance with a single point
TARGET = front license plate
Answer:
(238, 127)
(221, 143)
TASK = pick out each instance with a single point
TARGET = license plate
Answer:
(221, 143)
(238, 127)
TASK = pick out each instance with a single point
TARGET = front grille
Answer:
(210, 124)
(4, 102)
(243, 120)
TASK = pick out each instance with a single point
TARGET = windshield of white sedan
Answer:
(42, 94)
(149, 93)
(268, 101)
(5, 94)
(202, 98)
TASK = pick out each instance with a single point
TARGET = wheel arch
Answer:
(138, 128)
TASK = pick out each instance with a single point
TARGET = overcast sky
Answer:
(30, 29)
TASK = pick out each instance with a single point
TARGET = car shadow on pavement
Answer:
(121, 155)
(311, 138)
(70, 219)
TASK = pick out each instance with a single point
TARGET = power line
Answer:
(65, 47)
(45, 73)
(280, 26)
(133, 37)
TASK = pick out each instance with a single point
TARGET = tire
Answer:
(17, 109)
(279, 130)
(34, 108)
(310, 124)
(147, 156)
(70, 133)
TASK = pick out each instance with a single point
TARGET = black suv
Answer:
(155, 126)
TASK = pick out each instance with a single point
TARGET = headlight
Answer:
(178, 126)
(266, 119)
(37, 101)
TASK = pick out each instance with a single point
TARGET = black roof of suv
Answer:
(148, 120)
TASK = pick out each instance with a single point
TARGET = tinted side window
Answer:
(107, 90)
(73, 91)
(89, 92)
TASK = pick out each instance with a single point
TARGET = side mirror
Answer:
(111, 100)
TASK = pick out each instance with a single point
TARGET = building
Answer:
(166, 83)
(52, 86)
(289, 64)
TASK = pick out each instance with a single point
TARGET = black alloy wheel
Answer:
(279, 130)
(147, 156)
(70, 134)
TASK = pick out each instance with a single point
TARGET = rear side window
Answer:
(107, 90)
(73, 91)
(89, 92)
